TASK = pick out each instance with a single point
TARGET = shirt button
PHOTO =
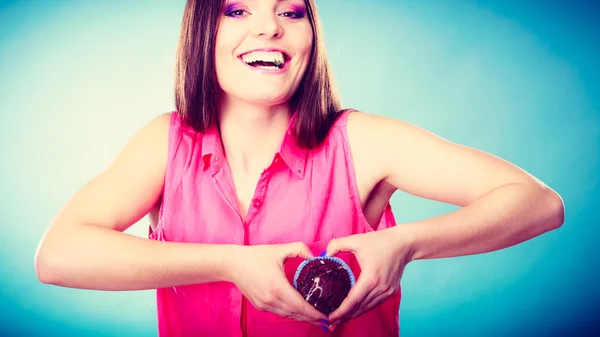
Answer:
(257, 203)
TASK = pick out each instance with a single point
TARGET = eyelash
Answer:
(232, 13)
(236, 13)
(294, 14)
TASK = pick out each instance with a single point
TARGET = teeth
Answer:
(270, 56)
(267, 67)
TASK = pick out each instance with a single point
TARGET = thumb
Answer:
(336, 246)
(297, 249)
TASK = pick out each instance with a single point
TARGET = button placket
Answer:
(260, 194)
(257, 200)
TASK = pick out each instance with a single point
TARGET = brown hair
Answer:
(197, 91)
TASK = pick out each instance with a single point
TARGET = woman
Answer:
(258, 167)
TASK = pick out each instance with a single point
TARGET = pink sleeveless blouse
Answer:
(304, 195)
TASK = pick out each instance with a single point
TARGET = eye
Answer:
(236, 13)
(293, 14)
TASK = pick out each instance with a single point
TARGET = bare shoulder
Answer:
(367, 160)
(424, 164)
(150, 143)
(369, 140)
(360, 137)
(154, 134)
(129, 187)
(156, 129)
(374, 129)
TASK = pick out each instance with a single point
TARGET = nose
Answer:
(266, 26)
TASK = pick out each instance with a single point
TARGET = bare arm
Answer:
(85, 247)
(502, 204)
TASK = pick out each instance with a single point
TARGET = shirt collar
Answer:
(212, 149)
(292, 154)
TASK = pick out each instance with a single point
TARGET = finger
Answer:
(298, 249)
(297, 314)
(285, 310)
(346, 315)
(298, 306)
(336, 246)
(355, 297)
(278, 307)
(281, 309)
(368, 304)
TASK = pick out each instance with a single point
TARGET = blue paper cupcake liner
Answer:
(334, 259)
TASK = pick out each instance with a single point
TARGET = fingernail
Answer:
(324, 321)
(323, 253)
(333, 326)
(324, 328)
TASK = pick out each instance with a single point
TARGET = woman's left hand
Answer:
(382, 258)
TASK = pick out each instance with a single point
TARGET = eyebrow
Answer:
(278, 1)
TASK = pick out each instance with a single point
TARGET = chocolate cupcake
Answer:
(324, 282)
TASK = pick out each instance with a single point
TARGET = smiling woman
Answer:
(258, 169)
(210, 64)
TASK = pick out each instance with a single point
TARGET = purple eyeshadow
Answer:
(232, 7)
(300, 11)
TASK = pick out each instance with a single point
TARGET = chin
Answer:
(268, 101)
(265, 98)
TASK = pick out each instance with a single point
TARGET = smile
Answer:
(266, 60)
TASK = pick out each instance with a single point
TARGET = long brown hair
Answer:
(197, 91)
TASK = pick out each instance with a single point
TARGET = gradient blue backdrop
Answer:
(519, 79)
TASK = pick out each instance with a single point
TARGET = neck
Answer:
(251, 134)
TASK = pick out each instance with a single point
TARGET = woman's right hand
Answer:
(258, 273)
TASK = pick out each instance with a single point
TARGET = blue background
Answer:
(519, 79)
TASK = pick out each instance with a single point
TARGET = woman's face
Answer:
(262, 49)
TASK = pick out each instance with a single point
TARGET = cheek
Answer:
(228, 38)
(220, 56)
(307, 41)
(220, 66)
(225, 45)
(221, 47)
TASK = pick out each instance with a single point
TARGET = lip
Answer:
(287, 58)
